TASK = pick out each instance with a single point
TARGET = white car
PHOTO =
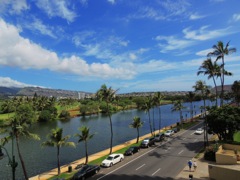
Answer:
(199, 131)
(112, 159)
(169, 133)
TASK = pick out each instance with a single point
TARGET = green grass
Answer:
(66, 176)
(236, 136)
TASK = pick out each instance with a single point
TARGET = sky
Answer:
(129, 45)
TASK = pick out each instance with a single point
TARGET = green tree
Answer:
(24, 117)
(146, 107)
(158, 99)
(212, 70)
(137, 123)
(178, 106)
(107, 95)
(219, 51)
(190, 97)
(84, 136)
(224, 121)
(56, 139)
(236, 91)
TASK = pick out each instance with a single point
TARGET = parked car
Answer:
(131, 150)
(86, 171)
(147, 142)
(112, 159)
(176, 129)
(159, 137)
(169, 133)
(199, 131)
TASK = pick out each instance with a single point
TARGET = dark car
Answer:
(148, 142)
(159, 137)
(131, 150)
(176, 129)
(86, 171)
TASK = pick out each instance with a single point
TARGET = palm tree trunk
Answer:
(222, 80)
(21, 159)
(214, 81)
(58, 160)
(150, 124)
(160, 118)
(137, 135)
(86, 151)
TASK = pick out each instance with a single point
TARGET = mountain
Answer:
(30, 91)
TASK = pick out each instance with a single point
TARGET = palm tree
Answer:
(24, 117)
(84, 136)
(137, 123)
(190, 97)
(158, 98)
(178, 106)
(146, 107)
(219, 51)
(107, 95)
(212, 70)
(56, 139)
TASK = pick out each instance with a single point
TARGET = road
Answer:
(162, 161)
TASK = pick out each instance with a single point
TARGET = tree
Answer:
(24, 117)
(212, 70)
(56, 139)
(224, 121)
(137, 123)
(107, 95)
(236, 91)
(178, 106)
(84, 136)
(146, 107)
(190, 97)
(219, 51)
(158, 98)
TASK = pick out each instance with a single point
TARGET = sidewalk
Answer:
(200, 173)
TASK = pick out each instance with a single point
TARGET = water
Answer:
(38, 160)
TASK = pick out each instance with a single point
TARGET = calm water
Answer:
(39, 160)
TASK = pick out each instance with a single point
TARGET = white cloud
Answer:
(20, 52)
(37, 25)
(112, 1)
(204, 52)
(8, 82)
(196, 16)
(13, 6)
(58, 8)
(169, 43)
(236, 17)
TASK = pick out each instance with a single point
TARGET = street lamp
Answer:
(12, 161)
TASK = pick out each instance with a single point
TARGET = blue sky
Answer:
(130, 45)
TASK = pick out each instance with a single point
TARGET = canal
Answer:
(38, 159)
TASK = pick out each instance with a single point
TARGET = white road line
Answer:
(140, 167)
(192, 133)
(156, 171)
(181, 152)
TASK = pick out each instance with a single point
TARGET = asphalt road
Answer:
(163, 161)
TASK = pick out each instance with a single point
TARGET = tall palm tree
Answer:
(219, 51)
(56, 139)
(24, 117)
(107, 95)
(84, 136)
(146, 107)
(190, 97)
(178, 106)
(137, 123)
(212, 70)
(158, 98)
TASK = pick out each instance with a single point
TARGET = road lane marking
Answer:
(181, 152)
(156, 171)
(192, 133)
(140, 167)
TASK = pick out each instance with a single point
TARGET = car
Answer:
(176, 129)
(131, 150)
(169, 133)
(112, 159)
(85, 172)
(159, 137)
(147, 142)
(79, 166)
(199, 131)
